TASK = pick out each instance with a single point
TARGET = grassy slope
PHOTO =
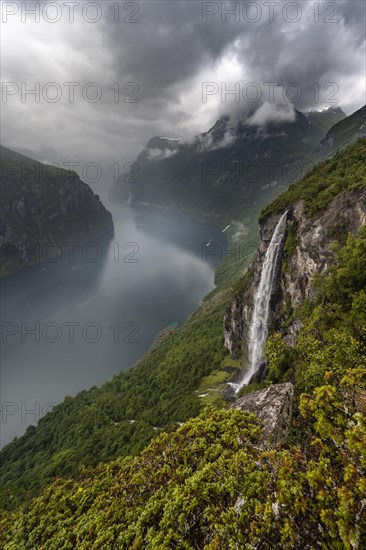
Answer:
(343, 172)
(213, 483)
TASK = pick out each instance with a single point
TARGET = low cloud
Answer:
(207, 141)
(240, 231)
(154, 155)
(272, 112)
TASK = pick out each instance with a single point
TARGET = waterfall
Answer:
(259, 322)
(129, 200)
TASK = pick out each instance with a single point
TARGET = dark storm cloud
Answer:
(173, 44)
(170, 44)
(169, 54)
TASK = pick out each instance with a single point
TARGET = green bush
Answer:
(213, 484)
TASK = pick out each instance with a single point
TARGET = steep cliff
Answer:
(323, 209)
(43, 208)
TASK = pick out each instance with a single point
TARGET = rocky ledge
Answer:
(273, 406)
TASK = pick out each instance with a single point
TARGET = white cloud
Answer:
(155, 155)
(240, 231)
(272, 112)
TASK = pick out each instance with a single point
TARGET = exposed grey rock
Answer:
(273, 406)
(236, 323)
(238, 316)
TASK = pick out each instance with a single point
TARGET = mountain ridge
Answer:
(226, 172)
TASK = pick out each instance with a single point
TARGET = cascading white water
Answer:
(259, 324)
(129, 200)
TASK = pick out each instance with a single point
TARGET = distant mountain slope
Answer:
(342, 134)
(43, 204)
(226, 172)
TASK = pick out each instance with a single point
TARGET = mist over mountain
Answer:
(228, 171)
(310, 388)
(342, 134)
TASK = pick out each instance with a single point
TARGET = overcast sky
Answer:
(165, 53)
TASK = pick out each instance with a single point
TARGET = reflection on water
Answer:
(72, 324)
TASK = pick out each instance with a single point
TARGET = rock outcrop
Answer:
(43, 209)
(273, 406)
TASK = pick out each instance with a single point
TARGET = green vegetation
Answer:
(213, 484)
(291, 240)
(343, 172)
(216, 184)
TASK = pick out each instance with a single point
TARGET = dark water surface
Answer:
(74, 323)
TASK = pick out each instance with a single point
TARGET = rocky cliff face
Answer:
(312, 253)
(273, 406)
(43, 208)
(307, 251)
